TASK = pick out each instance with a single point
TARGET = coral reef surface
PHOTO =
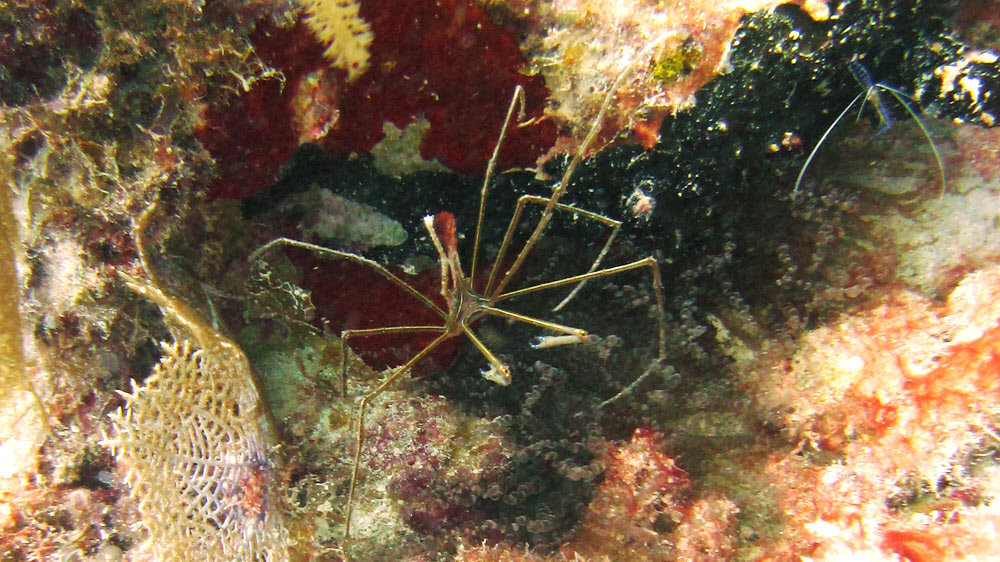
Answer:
(757, 317)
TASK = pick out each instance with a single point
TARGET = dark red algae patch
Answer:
(352, 296)
(449, 62)
(251, 134)
(443, 60)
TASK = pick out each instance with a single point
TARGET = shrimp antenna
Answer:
(822, 139)
(901, 97)
(871, 94)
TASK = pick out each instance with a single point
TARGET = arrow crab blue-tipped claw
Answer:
(544, 342)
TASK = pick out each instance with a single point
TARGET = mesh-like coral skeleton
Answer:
(196, 445)
(197, 462)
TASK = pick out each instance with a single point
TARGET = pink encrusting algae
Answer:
(905, 396)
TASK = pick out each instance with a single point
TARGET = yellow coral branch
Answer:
(337, 24)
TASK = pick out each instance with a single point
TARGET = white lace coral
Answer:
(195, 445)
